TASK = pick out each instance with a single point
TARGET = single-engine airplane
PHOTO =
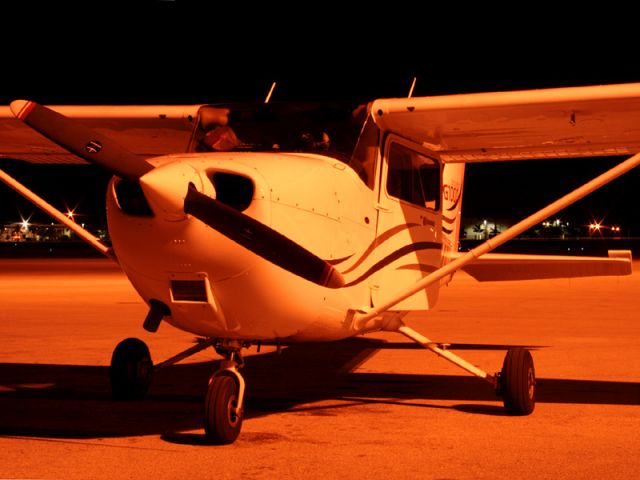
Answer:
(285, 223)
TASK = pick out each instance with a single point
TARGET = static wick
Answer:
(413, 85)
(273, 86)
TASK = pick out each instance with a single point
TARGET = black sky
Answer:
(165, 52)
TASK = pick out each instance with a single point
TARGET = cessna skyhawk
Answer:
(279, 223)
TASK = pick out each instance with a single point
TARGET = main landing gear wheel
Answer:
(131, 370)
(222, 417)
(518, 382)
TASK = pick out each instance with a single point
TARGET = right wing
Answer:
(496, 266)
(146, 130)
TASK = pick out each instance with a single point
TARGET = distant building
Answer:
(556, 228)
(482, 229)
(34, 232)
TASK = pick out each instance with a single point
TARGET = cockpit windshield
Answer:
(330, 129)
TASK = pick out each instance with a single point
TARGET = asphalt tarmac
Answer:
(322, 411)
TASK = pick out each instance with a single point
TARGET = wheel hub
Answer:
(531, 382)
(231, 408)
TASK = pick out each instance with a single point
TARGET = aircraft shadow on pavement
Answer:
(69, 401)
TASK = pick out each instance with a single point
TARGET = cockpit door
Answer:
(408, 236)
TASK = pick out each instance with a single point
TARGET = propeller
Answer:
(80, 140)
(261, 240)
(240, 228)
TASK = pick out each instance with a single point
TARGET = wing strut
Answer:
(508, 234)
(57, 214)
(440, 350)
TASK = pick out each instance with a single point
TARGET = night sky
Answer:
(164, 52)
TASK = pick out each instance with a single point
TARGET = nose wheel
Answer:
(222, 417)
(223, 410)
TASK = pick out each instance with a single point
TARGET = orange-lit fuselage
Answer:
(246, 296)
(231, 292)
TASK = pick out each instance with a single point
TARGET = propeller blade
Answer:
(261, 240)
(80, 140)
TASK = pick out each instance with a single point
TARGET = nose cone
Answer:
(166, 188)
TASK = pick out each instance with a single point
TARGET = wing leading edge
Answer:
(550, 123)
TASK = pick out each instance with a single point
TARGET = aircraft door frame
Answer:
(408, 235)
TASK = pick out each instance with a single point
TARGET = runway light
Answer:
(70, 214)
(24, 223)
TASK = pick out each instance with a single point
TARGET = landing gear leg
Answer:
(223, 408)
(516, 383)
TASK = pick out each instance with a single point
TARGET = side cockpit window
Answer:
(413, 177)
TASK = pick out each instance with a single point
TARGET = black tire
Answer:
(518, 382)
(131, 370)
(221, 424)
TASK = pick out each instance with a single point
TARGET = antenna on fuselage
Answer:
(273, 87)
(413, 85)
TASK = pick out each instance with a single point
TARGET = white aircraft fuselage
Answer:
(217, 288)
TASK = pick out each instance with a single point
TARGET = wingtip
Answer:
(21, 108)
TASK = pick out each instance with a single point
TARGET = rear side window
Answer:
(413, 177)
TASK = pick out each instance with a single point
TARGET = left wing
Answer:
(146, 130)
(496, 266)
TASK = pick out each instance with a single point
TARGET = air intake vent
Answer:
(189, 291)
(131, 199)
(233, 190)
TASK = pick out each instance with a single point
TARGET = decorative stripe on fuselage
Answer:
(338, 261)
(448, 220)
(420, 267)
(455, 204)
(383, 237)
(410, 248)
